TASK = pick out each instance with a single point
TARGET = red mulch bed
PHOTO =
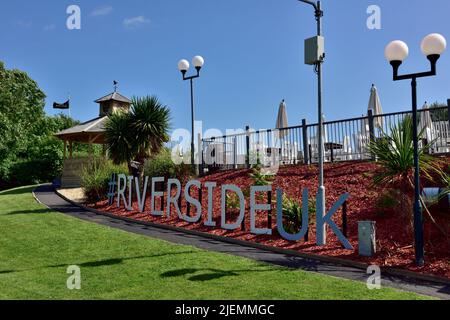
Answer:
(394, 243)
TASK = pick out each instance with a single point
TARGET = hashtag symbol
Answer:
(112, 189)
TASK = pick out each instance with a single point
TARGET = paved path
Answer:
(46, 195)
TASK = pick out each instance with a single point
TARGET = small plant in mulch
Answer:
(292, 213)
(367, 175)
(387, 203)
(259, 177)
(232, 201)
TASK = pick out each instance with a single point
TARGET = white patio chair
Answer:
(344, 154)
(314, 143)
(289, 152)
(361, 142)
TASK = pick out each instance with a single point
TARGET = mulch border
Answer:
(338, 261)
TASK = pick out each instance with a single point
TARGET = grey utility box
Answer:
(314, 50)
(366, 238)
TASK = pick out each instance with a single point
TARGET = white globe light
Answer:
(433, 44)
(183, 65)
(396, 51)
(198, 61)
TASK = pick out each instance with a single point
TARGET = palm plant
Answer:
(140, 134)
(150, 125)
(446, 190)
(395, 154)
(119, 138)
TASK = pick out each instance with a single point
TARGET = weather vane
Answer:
(115, 83)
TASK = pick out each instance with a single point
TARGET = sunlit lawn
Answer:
(37, 246)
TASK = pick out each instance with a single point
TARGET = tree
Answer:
(119, 138)
(29, 153)
(21, 116)
(140, 134)
(150, 126)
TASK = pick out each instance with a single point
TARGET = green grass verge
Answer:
(37, 246)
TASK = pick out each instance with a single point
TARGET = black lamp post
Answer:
(396, 52)
(183, 66)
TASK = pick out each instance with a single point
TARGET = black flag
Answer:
(65, 105)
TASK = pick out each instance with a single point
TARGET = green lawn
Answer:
(37, 246)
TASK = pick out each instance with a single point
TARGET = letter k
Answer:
(327, 220)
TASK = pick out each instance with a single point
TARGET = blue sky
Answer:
(253, 51)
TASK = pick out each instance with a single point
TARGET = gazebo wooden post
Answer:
(71, 149)
(65, 149)
(90, 147)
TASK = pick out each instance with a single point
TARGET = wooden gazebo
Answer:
(90, 132)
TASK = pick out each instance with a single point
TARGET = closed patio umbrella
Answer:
(324, 132)
(314, 141)
(282, 121)
(375, 106)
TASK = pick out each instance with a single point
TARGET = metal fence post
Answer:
(269, 216)
(372, 130)
(235, 152)
(247, 147)
(448, 112)
(305, 142)
(224, 156)
(200, 155)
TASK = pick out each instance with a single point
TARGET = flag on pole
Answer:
(65, 105)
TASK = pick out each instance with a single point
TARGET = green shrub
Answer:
(44, 163)
(96, 176)
(232, 201)
(162, 165)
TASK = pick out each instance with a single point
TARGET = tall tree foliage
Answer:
(28, 151)
(21, 116)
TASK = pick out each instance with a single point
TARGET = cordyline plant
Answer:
(395, 154)
(139, 134)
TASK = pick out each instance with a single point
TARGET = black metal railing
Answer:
(344, 140)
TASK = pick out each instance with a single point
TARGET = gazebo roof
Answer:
(114, 96)
(91, 131)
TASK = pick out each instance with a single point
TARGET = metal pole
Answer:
(194, 168)
(448, 111)
(321, 192)
(418, 218)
